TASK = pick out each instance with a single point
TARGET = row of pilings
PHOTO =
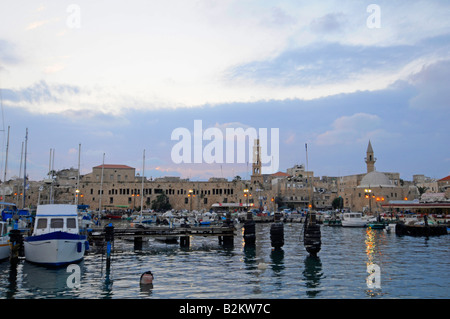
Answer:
(311, 233)
(107, 243)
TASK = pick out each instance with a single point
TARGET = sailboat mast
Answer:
(6, 159)
(20, 174)
(25, 170)
(310, 178)
(142, 182)
(101, 187)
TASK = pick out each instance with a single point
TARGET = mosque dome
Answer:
(375, 179)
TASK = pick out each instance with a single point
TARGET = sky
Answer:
(121, 77)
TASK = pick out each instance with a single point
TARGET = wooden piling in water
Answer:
(109, 238)
(277, 232)
(185, 241)
(249, 230)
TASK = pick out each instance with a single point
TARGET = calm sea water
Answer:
(410, 267)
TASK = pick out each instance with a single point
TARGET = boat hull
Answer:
(354, 223)
(4, 250)
(54, 249)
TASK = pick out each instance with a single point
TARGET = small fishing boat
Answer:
(4, 241)
(332, 220)
(114, 215)
(353, 219)
(376, 225)
(56, 240)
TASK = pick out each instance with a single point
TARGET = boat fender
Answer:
(86, 245)
(79, 247)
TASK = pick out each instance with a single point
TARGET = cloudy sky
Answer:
(119, 77)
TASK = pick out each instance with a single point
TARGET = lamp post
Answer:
(77, 193)
(191, 191)
(246, 196)
(368, 192)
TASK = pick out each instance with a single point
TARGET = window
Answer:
(42, 223)
(56, 223)
(71, 223)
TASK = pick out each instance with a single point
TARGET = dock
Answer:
(225, 233)
(420, 230)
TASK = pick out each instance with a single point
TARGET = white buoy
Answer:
(262, 266)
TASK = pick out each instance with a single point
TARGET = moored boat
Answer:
(353, 219)
(56, 240)
(4, 241)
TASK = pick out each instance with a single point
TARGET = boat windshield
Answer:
(71, 223)
(41, 223)
(44, 225)
(4, 229)
(56, 223)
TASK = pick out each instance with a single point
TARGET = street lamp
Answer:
(190, 195)
(368, 192)
(246, 196)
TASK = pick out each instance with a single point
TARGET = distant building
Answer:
(367, 192)
(117, 186)
(444, 184)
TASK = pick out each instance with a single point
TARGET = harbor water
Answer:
(409, 268)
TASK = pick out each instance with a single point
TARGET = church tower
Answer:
(370, 159)
(256, 165)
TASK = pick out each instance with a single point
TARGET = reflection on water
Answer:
(206, 269)
(277, 256)
(312, 274)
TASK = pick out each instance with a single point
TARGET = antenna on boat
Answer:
(51, 163)
(77, 190)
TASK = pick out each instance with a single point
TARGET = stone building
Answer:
(367, 192)
(117, 186)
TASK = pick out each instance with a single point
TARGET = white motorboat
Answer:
(353, 219)
(4, 241)
(56, 240)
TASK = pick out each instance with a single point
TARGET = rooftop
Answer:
(280, 174)
(113, 166)
(375, 179)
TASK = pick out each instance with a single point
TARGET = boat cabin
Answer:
(3, 229)
(352, 215)
(53, 218)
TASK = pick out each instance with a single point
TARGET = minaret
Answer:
(256, 165)
(370, 159)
